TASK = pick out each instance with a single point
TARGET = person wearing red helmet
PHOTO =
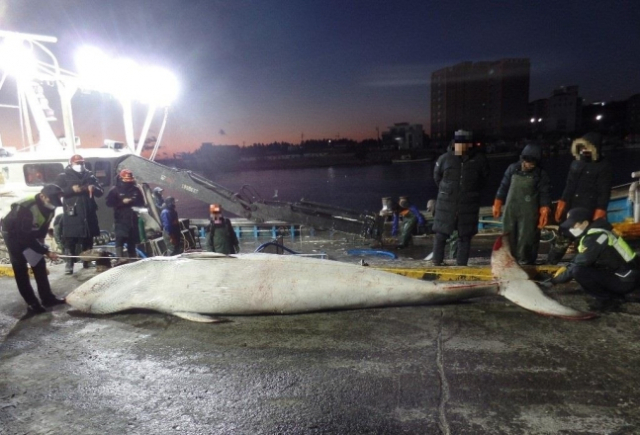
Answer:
(122, 198)
(220, 235)
(80, 211)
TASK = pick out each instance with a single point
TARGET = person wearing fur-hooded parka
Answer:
(589, 179)
(588, 186)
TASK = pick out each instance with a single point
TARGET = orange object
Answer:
(497, 208)
(215, 208)
(599, 213)
(127, 176)
(544, 217)
(560, 210)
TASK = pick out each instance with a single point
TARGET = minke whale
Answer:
(198, 286)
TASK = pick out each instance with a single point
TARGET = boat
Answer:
(24, 170)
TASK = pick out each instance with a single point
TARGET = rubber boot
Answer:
(68, 268)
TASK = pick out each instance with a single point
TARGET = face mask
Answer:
(576, 232)
(77, 168)
(585, 156)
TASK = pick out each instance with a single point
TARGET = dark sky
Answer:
(269, 70)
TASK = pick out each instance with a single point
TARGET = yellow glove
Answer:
(497, 208)
(560, 272)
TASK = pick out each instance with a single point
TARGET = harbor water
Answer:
(361, 188)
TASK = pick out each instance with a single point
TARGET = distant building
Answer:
(489, 98)
(565, 110)
(404, 136)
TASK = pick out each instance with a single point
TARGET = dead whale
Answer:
(196, 286)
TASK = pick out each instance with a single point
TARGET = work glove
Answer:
(599, 213)
(560, 210)
(497, 208)
(544, 217)
(547, 283)
(563, 275)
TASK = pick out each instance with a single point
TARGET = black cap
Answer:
(576, 215)
(54, 193)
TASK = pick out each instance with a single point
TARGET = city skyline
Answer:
(273, 71)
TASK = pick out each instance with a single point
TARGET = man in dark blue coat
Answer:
(23, 228)
(460, 175)
(80, 219)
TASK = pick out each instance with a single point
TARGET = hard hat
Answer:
(215, 208)
(127, 176)
(54, 193)
(76, 159)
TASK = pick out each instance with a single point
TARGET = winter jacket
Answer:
(26, 223)
(80, 217)
(126, 219)
(460, 180)
(588, 182)
(169, 219)
(221, 238)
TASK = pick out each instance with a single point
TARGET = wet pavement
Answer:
(480, 367)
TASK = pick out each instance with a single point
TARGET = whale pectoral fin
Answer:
(195, 317)
(526, 294)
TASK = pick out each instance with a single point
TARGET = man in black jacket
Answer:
(122, 198)
(460, 175)
(80, 219)
(605, 266)
(22, 229)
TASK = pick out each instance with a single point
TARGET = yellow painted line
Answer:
(7, 270)
(461, 273)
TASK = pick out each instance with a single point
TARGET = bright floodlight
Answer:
(125, 79)
(598, 117)
(17, 59)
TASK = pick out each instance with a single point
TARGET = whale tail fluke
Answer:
(516, 286)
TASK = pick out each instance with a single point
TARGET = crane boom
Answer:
(248, 204)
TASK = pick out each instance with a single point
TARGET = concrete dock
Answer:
(480, 367)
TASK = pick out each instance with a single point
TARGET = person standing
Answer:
(460, 175)
(22, 229)
(122, 198)
(158, 200)
(220, 235)
(605, 266)
(80, 218)
(171, 227)
(411, 220)
(525, 188)
(588, 186)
